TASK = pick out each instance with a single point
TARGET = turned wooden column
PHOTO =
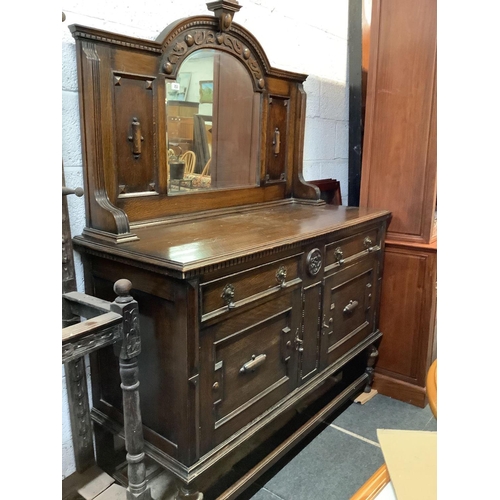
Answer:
(130, 348)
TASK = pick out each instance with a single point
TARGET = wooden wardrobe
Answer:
(399, 174)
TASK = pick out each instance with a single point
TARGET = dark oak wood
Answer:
(113, 324)
(130, 348)
(253, 301)
(74, 366)
(399, 173)
(107, 324)
(199, 354)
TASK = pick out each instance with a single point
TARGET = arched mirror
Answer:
(213, 125)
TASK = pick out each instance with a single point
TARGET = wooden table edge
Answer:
(374, 485)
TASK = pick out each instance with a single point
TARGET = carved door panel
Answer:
(277, 139)
(249, 363)
(134, 101)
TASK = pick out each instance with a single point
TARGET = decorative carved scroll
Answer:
(201, 33)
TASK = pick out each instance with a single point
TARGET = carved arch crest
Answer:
(195, 33)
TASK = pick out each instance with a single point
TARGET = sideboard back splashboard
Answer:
(257, 298)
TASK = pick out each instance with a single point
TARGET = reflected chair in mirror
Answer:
(189, 158)
(206, 168)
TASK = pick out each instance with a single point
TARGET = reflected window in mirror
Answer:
(213, 125)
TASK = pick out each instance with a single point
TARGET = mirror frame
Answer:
(122, 86)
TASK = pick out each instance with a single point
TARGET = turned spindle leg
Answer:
(124, 304)
(372, 358)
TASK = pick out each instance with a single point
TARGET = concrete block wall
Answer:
(306, 37)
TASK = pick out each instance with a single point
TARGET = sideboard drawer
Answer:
(348, 308)
(233, 290)
(352, 247)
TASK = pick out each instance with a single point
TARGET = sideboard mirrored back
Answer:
(193, 121)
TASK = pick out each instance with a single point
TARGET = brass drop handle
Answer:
(349, 308)
(276, 141)
(228, 295)
(254, 363)
(330, 321)
(136, 137)
(281, 276)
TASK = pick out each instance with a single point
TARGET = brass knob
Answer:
(215, 387)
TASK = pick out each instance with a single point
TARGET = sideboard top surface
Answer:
(189, 245)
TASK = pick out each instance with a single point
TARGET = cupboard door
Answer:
(399, 150)
(409, 282)
(249, 363)
(348, 307)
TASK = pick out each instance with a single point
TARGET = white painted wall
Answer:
(306, 37)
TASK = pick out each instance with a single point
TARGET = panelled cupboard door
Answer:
(399, 150)
(249, 363)
(348, 308)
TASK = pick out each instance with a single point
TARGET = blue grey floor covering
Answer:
(342, 455)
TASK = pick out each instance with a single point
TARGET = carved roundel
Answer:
(314, 261)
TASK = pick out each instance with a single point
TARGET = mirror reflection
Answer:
(213, 117)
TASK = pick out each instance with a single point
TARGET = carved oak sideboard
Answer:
(257, 298)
